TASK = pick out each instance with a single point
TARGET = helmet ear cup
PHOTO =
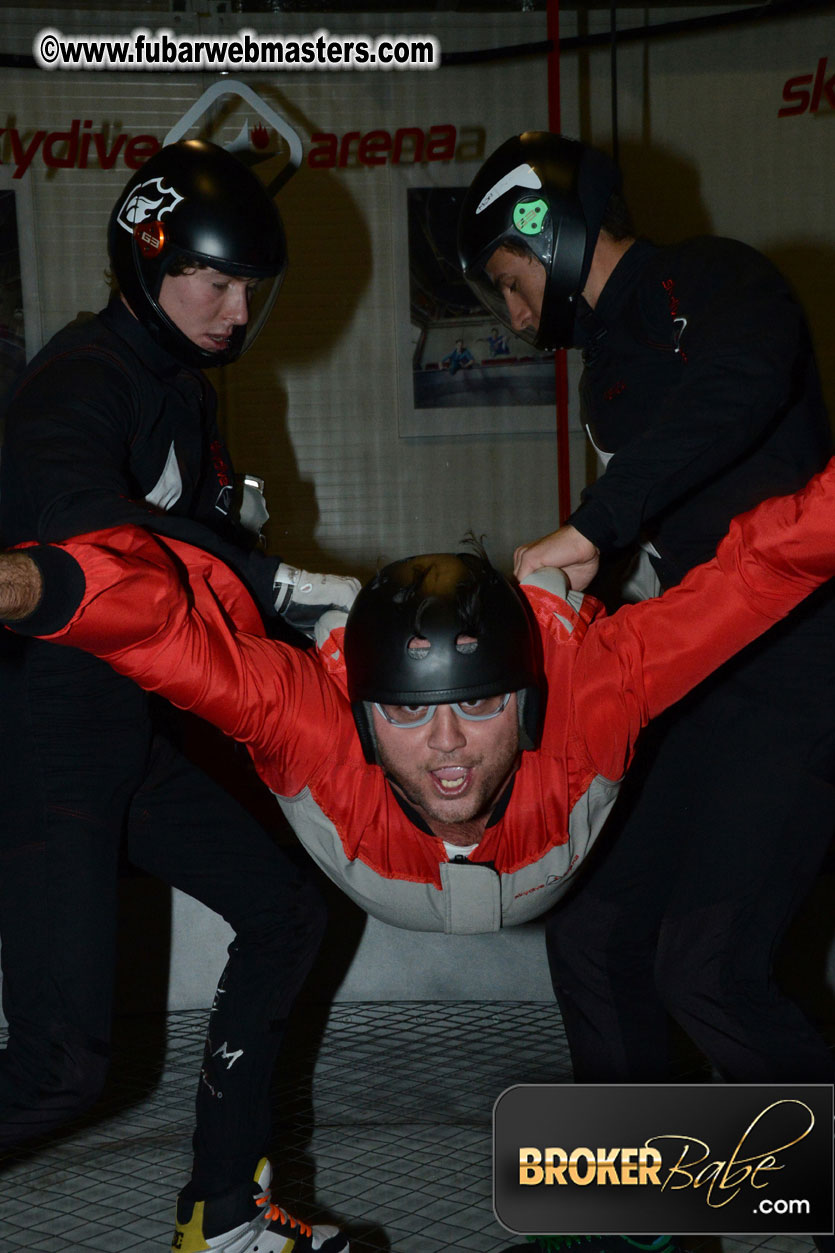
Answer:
(364, 722)
(529, 704)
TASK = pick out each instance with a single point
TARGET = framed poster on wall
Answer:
(460, 372)
(20, 319)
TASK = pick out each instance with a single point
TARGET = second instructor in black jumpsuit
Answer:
(701, 393)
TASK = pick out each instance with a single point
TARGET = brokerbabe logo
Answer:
(709, 1159)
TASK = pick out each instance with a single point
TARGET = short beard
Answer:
(484, 803)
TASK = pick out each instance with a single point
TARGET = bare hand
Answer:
(566, 549)
(21, 586)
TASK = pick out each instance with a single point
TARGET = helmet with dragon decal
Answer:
(440, 629)
(194, 205)
(545, 196)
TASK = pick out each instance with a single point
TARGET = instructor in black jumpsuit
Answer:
(701, 394)
(114, 421)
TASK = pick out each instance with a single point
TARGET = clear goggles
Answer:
(479, 710)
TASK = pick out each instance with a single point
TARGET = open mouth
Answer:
(451, 780)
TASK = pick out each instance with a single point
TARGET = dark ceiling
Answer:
(443, 6)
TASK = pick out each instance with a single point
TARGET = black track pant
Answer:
(711, 850)
(83, 768)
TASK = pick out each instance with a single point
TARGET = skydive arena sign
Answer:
(80, 146)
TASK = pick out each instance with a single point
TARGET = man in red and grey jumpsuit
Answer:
(179, 623)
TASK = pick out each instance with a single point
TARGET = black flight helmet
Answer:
(196, 203)
(437, 599)
(548, 194)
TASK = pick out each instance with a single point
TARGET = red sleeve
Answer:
(178, 622)
(645, 657)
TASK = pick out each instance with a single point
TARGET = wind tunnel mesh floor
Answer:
(383, 1123)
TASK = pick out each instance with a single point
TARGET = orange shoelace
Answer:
(276, 1214)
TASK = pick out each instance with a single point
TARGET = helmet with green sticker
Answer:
(544, 194)
(529, 216)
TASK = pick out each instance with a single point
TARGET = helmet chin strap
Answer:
(175, 342)
(168, 335)
(548, 337)
(369, 738)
